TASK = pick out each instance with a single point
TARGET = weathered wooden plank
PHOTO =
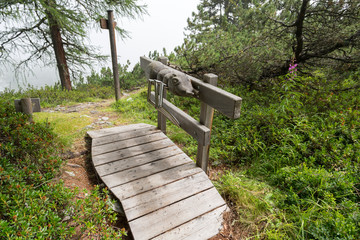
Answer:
(203, 227)
(186, 122)
(172, 216)
(154, 181)
(132, 174)
(142, 131)
(115, 130)
(130, 152)
(163, 196)
(223, 101)
(131, 162)
(114, 146)
(35, 105)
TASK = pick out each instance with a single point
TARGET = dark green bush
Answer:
(33, 204)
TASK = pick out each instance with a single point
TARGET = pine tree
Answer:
(52, 29)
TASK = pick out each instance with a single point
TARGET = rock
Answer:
(93, 112)
(71, 174)
(73, 165)
(85, 116)
(129, 99)
(104, 118)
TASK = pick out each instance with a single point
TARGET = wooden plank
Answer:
(223, 101)
(186, 122)
(114, 146)
(124, 135)
(172, 216)
(115, 130)
(163, 196)
(131, 162)
(154, 181)
(203, 227)
(130, 152)
(206, 118)
(132, 174)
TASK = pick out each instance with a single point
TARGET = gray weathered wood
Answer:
(201, 228)
(170, 217)
(135, 161)
(132, 174)
(124, 136)
(35, 105)
(116, 130)
(190, 125)
(225, 102)
(114, 146)
(161, 117)
(154, 181)
(206, 118)
(130, 152)
(165, 195)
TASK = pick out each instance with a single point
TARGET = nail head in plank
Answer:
(144, 170)
(114, 146)
(154, 181)
(163, 196)
(203, 227)
(172, 216)
(135, 161)
(115, 130)
(130, 152)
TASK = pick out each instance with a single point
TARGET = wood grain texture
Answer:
(116, 130)
(165, 195)
(122, 144)
(130, 152)
(223, 101)
(203, 227)
(144, 170)
(121, 136)
(154, 181)
(186, 122)
(135, 161)
(172, 216)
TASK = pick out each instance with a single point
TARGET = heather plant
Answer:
(34, 204)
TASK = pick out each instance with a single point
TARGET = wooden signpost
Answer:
(110, 25)
(28, 106)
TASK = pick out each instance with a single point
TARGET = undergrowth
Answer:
(34, 204)
(299, 149)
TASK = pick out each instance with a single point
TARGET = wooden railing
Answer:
(211, 97)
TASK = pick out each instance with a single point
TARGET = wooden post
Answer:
(26, 106)
(206, 118)
(111, 26)
(161, 117)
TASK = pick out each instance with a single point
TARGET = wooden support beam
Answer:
(161, 117)
(206, 118)
(224, 102)
(189, 124)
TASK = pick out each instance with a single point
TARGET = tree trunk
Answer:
(59, 53)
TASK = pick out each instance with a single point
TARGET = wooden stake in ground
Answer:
(110, 24)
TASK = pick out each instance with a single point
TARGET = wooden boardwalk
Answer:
(163, 193)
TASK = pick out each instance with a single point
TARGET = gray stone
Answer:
(71, 174)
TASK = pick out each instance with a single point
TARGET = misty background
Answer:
(163, 27)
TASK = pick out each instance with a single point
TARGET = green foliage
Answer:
(249, 42)
(52, 96)
(34, 205)
(128, 79)
(25, 35)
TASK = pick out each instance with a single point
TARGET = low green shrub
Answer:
(33, 203)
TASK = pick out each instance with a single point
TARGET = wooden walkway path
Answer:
(163, 193)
